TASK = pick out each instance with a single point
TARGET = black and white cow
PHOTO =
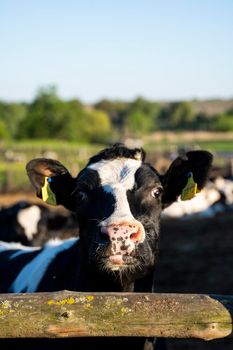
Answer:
(216, 197)
(21, 221)
(118, 198)
(33, 225)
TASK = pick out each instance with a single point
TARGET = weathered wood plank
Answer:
(74, 314)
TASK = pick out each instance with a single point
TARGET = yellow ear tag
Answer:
(47, 194)
(190, 189)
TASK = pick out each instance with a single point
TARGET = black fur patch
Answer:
(118, 150)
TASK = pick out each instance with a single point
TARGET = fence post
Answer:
(75, 314)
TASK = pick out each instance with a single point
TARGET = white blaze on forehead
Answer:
(117, 177)
(28, 218)
(117, 171)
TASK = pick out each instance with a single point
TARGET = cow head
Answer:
(118, 198)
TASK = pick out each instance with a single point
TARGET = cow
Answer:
(118, 198)
(32, 224)
(217, 196)
(21, 221)
(182, 209)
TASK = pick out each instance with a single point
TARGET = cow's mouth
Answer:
(120, 262)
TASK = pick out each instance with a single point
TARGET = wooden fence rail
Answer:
(74, 314)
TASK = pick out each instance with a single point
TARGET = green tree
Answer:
(138, 123)
(97, 126)
(74, 121)
(116, 111)
(11, 114)
(85, 125)
(50, 117)
(177, 115)
(4, 134)
(45, 116)
(142, 117)
(202, 122)
(224, 122)
(181, 115)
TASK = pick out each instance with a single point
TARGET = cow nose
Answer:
(125, 231)
(123, 238)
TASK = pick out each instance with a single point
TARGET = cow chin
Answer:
(131, 261)
(123, 264)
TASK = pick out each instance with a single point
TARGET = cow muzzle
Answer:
(123, 238)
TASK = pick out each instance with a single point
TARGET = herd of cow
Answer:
(109, 241)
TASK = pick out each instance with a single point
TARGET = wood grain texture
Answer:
(74, 314)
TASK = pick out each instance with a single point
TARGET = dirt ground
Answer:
(196, 256)
(9, 199)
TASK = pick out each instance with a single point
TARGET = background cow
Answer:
(21, 221)
(216, 197)
(33, 225)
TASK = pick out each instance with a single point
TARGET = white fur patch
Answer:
(117, 171)
(28, 218)
(31, 275)
(15, 246)
(225, 186)
(117, 177)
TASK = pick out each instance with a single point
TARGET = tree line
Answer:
(50, 117)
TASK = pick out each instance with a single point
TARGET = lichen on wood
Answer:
(74, 314)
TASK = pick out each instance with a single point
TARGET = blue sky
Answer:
(121, 49)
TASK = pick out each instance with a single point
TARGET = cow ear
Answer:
(186, 176)
(51, 180)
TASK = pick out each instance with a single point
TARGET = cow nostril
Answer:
(136, 236)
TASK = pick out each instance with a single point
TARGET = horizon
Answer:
(161, 51)
(161, 101)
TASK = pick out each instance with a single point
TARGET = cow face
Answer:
(121, 207)
(118, 199)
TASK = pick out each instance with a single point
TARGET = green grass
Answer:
(75, 155)
(13, 175)
(212, 146)
(32, 147)
(218, 146)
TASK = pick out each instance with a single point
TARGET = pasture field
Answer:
(221, 142)
(15, 155)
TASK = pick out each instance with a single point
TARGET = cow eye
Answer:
(156, 192)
